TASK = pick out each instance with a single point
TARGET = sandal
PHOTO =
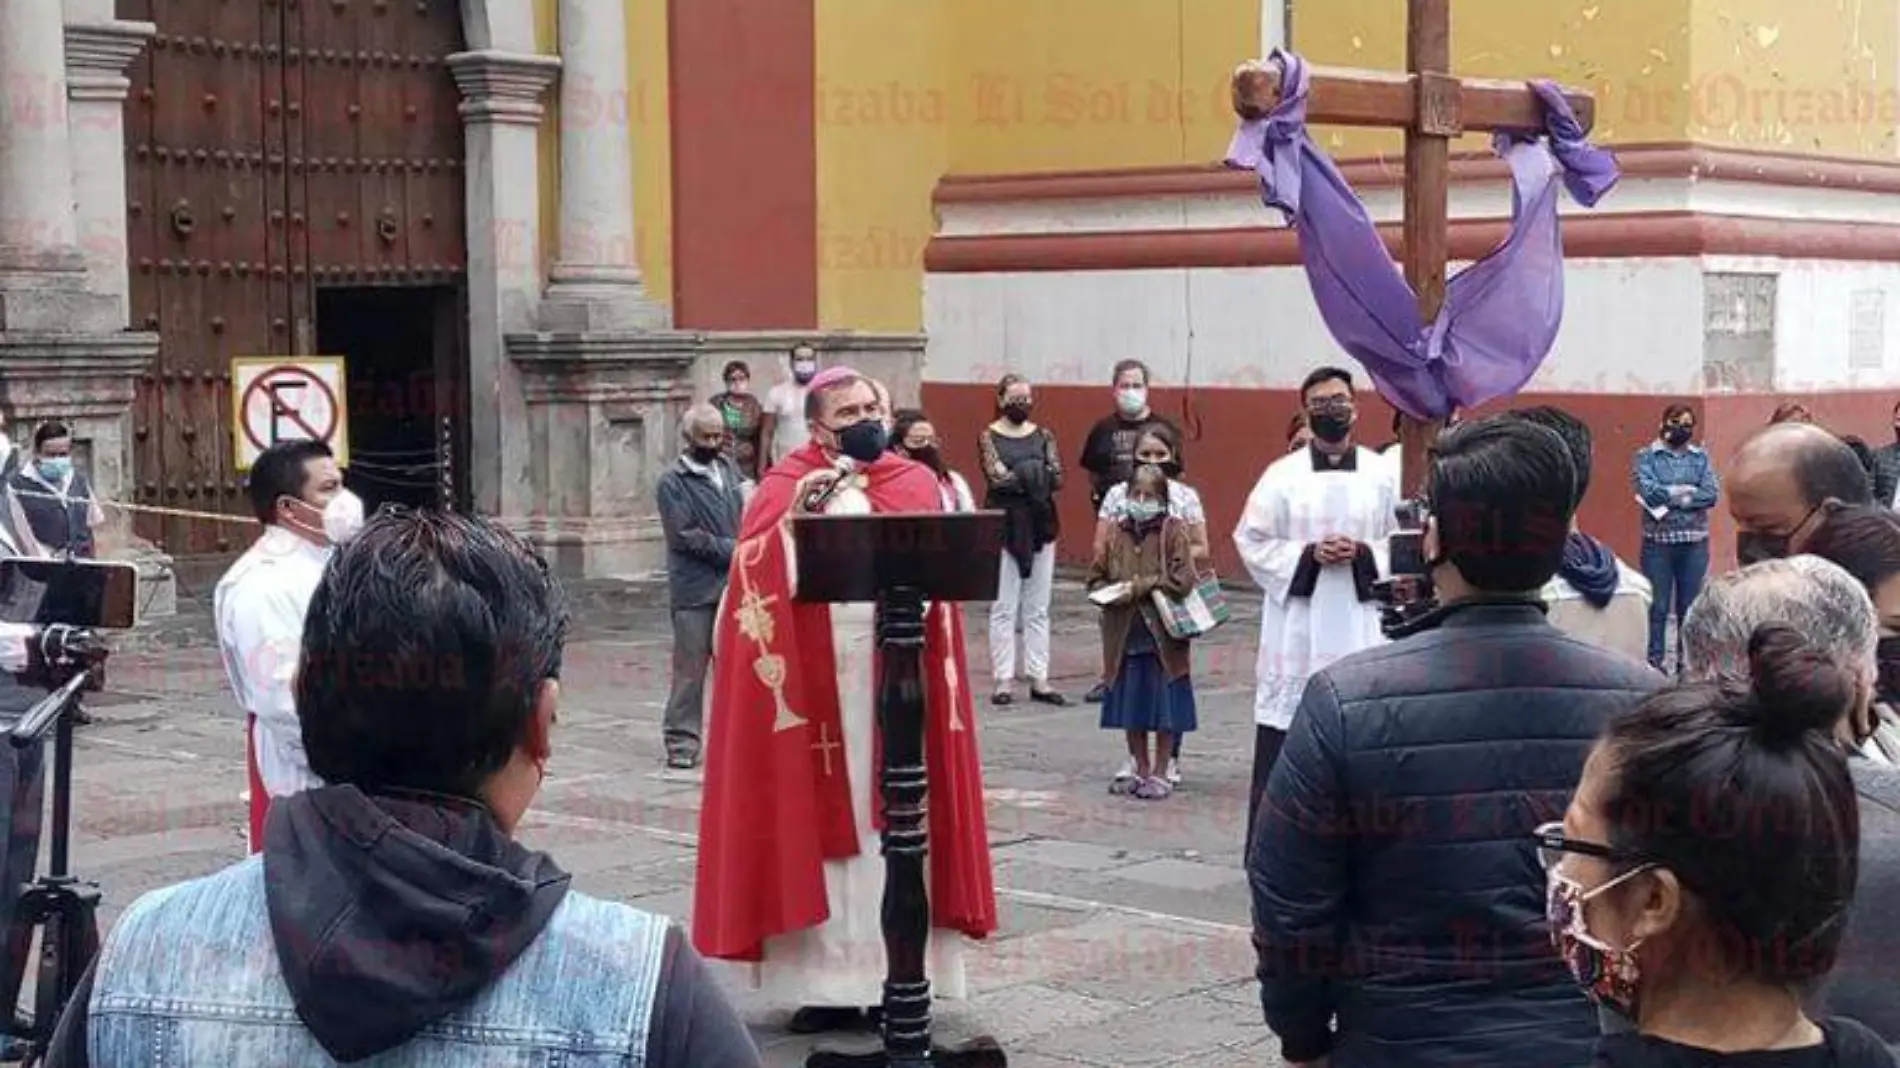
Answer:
(1001, 698)
(1048, 697)
(1153, 788)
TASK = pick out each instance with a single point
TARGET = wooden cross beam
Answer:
(1432, 106)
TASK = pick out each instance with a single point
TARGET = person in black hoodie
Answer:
(391, 913)
(1701, 879)
(1594, 596)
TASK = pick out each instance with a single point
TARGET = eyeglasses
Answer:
(1553, 843)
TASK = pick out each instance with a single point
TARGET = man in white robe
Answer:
(1313, 536)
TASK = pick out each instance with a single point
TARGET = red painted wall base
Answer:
(1233, 434)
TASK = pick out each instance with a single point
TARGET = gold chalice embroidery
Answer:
(756, 623)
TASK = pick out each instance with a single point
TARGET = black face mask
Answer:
(1170, 468)
(863, 441)
(1677, 436)
(928, 456)
(1330, 427)
(1752, 547)
(1887, 655)
(1016, 412)
(704, 454)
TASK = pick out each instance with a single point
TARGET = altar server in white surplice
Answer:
(1314, 537)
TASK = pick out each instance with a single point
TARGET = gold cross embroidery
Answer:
(756, 623)
(824, 745)
(755, 617)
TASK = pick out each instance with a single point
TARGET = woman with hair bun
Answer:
(1700, 881)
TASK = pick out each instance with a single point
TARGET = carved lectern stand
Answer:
(899, 562)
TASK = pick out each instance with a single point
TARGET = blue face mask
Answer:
(56, 468)
(1143, 511)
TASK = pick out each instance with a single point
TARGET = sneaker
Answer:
(682, 761)
(1174, 772)
(1124, 781)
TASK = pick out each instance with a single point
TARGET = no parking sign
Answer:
(288, 398)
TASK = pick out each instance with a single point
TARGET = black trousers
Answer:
(1266, 751)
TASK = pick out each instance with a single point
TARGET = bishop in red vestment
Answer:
(790, 875)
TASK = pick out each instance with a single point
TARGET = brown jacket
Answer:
(1161, 561)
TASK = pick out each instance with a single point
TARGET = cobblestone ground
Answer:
(1123, 939)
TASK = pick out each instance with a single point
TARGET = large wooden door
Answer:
(274, 147)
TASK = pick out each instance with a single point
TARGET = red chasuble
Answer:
(777, 803)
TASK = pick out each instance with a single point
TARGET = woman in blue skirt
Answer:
(1151, 697)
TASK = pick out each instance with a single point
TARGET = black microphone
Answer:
(843, 467)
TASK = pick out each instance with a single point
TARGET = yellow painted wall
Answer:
(647, 110)
(1634, 57)
(649, 76)
(1817, 76)
(882, 109)
(1071, 84)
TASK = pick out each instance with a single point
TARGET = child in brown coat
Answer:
(1151, 692)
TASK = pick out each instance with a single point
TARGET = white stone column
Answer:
(597, 284)
(502, 112)
(97, 55)
(37, 229)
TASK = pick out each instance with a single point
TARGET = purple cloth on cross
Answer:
(1500, 315)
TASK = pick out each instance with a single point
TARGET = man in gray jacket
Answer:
(700, 498)
(1829, 605)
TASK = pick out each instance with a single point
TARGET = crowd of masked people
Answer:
(1501, 837)
(1506, 839)
(1530, 829)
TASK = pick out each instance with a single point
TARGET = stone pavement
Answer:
(1123, 940)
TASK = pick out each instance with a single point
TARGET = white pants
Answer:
(1025, 600)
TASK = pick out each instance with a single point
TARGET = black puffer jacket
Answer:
(1398, 904)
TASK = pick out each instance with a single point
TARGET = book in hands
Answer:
(1112, 594)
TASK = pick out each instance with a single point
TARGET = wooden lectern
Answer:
(900, 562)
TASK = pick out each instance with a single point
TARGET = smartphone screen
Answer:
(79, 593)
(1407, 552)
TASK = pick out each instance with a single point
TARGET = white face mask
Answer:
(343, 517)
(1132, 399)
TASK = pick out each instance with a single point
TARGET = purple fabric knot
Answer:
(1501, 314)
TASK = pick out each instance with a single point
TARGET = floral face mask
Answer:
(1607, 975)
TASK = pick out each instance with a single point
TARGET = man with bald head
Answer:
(1780, 478)
(700, 497)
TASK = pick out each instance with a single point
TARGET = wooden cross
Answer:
(825, 745)
(1432, 106)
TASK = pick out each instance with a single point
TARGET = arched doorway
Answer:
(295, 187)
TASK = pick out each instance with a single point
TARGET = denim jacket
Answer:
(1658, 467)
(190, 976)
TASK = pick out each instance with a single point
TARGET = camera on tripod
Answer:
(1405, 595)
(62, 601)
